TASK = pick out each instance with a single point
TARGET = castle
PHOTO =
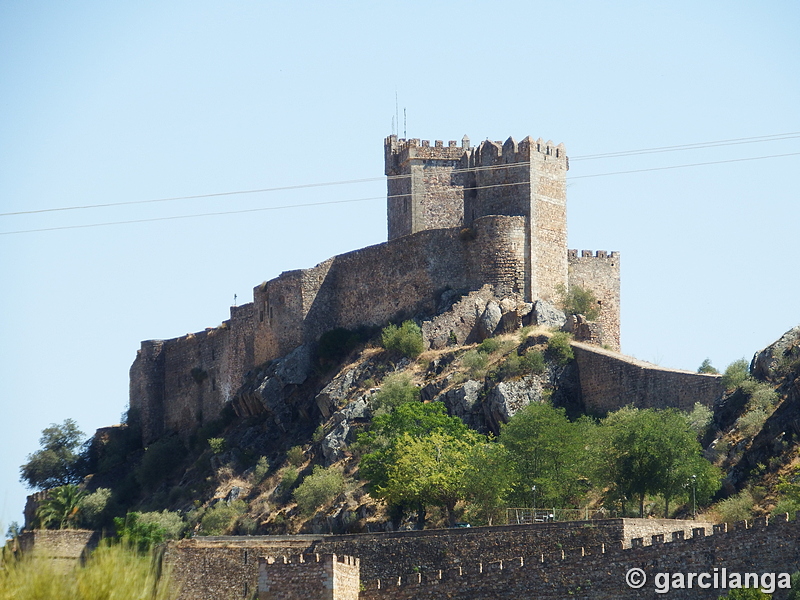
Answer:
(460, 219)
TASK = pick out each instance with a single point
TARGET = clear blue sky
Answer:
(106, 102)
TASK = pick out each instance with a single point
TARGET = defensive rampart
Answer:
(208, 567)
(609, 381)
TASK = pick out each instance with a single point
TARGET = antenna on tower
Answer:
(393, 130)
(397, 112)
(405, 132)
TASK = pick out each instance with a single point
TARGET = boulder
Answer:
(464, 402)
(766, 363)
(547, 315)
(334, 394)
(489, 320)
(507, 398)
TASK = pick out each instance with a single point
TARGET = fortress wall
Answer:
(146, 388)
(205, 567)
(279, 326)
(598, 573)
(609, 381)
(599, 272)
(63, 547)
(308, 577)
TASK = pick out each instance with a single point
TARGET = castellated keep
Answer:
(460, 218)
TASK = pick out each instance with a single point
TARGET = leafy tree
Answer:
(396, 433)
(61, 508)
(221, 518)
(735, 374)
(548, 451)
(93, 513)
(428, 469)
(559, 348)
(159, 460)
(405, 340)
(57, 463)
(654, 452)
(319, 488)
(488, 480)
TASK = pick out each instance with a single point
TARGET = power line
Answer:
(695, 146)
(701, 164)
(262, 209)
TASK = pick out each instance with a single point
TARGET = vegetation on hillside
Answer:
(413, 463)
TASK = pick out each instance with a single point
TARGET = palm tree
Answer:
(60, 509)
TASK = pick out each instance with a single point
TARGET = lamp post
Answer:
(533, 489)
(694, 497)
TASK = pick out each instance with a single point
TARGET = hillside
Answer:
(286, 457)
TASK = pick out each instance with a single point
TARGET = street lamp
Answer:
(533, 489)
(694, 497)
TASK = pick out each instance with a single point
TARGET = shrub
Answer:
(735, 374)
(295, 456)
(511, 367)
(261, 469)
(288, 478)
(751, 422)
(533, 361)
(93, 508)
(762, 395)
(170, 522)
(786, 505)
(489, 345)
(736, 508)
(558, 347)
(137, 534)
(217, 445)
(405, 340)
(700, 418)
(579, 301)
(222, 517)
(476, 363)
(395, 390)
(319, 488)
(706, 367)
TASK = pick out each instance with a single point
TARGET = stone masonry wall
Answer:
(208, 568)
(599, 272)
(63, 547)
(308, 577)
(599, 573)
(610, 381)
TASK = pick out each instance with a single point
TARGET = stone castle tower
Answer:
(437, 187)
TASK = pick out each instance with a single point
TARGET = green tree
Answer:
(61, 508)
(550, 452)
(393, 434)
(488, 480)
(396, 389)
(428, 469)
(654, 452)
(137, 533)
(58, 462)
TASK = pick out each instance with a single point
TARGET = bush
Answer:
(93, 508)
(261, 469)
(476, 363)
(295, 456)
(222, 517)
(489, 345)
(558, 347)
(579, 301)
(700, 418)
(751, 422)
(762, 395)
(786, 505)
(318, 489)
(405, 340)
(170, 522)
(288, 478)
(395, 390)
(736, 508)
(511, 367)
(735, 374)
(217, 445)
(533, 361)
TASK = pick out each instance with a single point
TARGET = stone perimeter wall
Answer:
(208, 568)
(609, 380)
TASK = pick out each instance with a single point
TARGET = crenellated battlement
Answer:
(398, 152)
(576, 254)
(582, 561)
